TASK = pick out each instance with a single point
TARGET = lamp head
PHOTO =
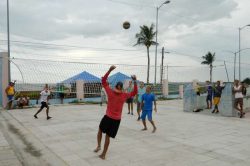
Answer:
(166, 2)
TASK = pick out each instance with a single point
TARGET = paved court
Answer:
(181, 139)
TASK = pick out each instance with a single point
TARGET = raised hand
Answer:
(112, 68)
(133, 77)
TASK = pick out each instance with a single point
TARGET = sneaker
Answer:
(213, 111)
(132, 113)
(49, 117)
(138, 119)
(128, 112)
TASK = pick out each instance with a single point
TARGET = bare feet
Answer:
(102, 156)
(154, 130)
(97, 149)
(143, 129)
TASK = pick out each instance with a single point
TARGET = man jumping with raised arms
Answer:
(111, 121)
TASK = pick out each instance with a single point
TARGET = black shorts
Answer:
(238, 101)
(44, 104)
(209, 98)
(109, 126)
(130, 100)
(61, 95)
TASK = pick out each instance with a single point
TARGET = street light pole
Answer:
(8, 36)
(156, 36)
(240, 50)
(162, 59)
(162, 62)
(235, 57)
(234, 64)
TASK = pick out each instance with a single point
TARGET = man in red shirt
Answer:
(111, 121)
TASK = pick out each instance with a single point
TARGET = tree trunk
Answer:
(211, 69)
(148, 65)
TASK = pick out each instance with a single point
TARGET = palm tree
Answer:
(209, 58)
(145, 37)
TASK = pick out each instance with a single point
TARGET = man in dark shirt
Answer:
(217, 95)
(209, 95)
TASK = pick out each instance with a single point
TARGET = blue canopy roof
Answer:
(113, 79)
(85, 76)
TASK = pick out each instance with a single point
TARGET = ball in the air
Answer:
(126, 25)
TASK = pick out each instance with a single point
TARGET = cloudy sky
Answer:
(91, 31)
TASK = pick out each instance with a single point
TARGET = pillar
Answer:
(80, 90)
(4, 77)
(165, 87)
(181, 91)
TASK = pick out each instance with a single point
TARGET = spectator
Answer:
(238, 98)
(10, 92)
(217, 95)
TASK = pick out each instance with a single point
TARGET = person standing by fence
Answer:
(217, 95)
(238, 95)
(10, 92)
(209, 95)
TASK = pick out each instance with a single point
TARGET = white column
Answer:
(165, 87)
(195, 83)
(80, 89)
(181, 90)
(4, 77)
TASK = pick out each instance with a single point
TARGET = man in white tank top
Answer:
(238, 97)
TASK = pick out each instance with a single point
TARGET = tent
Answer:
(85, 76)
(113, 79)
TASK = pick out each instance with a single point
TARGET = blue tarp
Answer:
(113, 79)
(85, 76)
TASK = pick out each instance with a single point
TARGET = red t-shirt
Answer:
(116, 99)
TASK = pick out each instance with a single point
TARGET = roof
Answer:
(113, 79)
(85, 76)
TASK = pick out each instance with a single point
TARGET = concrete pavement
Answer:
(181, 139)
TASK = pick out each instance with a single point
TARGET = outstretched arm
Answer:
(105, 77)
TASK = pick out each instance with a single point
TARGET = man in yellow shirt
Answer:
(10, 92)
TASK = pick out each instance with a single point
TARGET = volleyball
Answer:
(126, 25)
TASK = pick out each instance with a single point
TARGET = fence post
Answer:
(181, 90)
(4, 77)
(80, 90)
(165, 87)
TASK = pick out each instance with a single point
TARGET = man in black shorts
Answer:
(111, 121)
(44, 102)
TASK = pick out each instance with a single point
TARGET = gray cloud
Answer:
(59, 19)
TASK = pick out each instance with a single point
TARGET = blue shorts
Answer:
(10, 97)
(147, 113)
(209, 98)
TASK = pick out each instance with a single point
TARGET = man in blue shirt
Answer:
(141, 91)
(209, 95)
(147, 106)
